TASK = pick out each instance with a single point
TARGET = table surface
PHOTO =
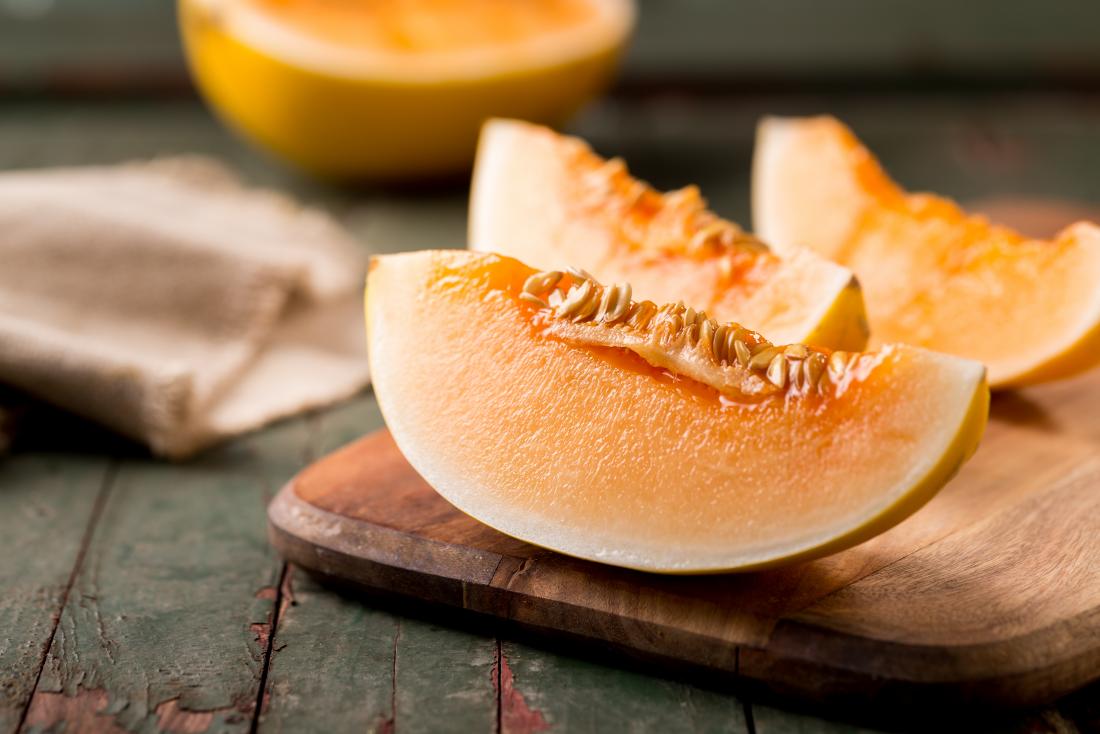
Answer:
(142, 595)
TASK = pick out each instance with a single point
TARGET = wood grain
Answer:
(167, 625)
(990, 594)
(46, 506)
(340, 665)
(552, 692)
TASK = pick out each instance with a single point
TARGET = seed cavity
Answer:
(727, 356)
(838, 365)
(541, 282)
(777, 371)
(814, 367)
(655, 221)
(580, 274)
(744, 354)
(575, 299)
(763, 357)
(534, 299)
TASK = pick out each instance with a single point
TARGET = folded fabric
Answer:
(169, 302)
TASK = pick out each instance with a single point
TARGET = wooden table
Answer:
(141, 595)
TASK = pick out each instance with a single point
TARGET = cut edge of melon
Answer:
(905, 502)
(907, 497)
(485, 181)
(770, 130)
(496, 144)
(839, 323)
(1074, 350)
(1078, 349)
(604, 33)
(960, 448)
(773, 137)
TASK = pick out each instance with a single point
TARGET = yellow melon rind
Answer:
(843, 323)
(958, 452)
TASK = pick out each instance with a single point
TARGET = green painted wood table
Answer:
(140, 595)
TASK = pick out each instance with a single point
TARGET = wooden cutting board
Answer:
(990, 593)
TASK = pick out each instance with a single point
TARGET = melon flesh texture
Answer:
(549, 201)
(595, 453)
(404, 28)
(932, 275)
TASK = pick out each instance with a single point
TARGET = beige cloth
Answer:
(169, 302)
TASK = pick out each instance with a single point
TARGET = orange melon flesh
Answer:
(549, 201)
(932, 274)
(427, 26)
(396, 89)
(425, 40)
(593, 452)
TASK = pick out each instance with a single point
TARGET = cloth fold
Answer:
(173, 304)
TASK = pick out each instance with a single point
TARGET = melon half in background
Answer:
(932, 275)
(549, 201)
(567, 414)
(396, 89)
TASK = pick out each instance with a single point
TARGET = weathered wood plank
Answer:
(541, 690)
(382, 672)
(331, 665)
(1055, 720)
(46, 506)
(445, 680)
(340, 664)
(768, 720)
(167, 623)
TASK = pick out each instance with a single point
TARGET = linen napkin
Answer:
(166, 300)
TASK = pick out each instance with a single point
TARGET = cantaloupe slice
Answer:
(932, 275)
(549, 201)
(562, 412)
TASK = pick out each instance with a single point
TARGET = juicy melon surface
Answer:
(595, 453)
(396, 89)
(425, 40)
(549, 201)
(426, 26)
(932, 275)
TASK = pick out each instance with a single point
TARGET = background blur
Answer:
(119, 44)
(971, 99)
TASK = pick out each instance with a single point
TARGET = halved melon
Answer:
(396, 89)
(548, 200)
(932, 275)
(564, 413)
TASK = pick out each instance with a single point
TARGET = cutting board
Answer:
(990, 593)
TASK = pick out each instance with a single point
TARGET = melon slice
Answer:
(565, 413)
(932, 275)
(396, 88)
(549, 201)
